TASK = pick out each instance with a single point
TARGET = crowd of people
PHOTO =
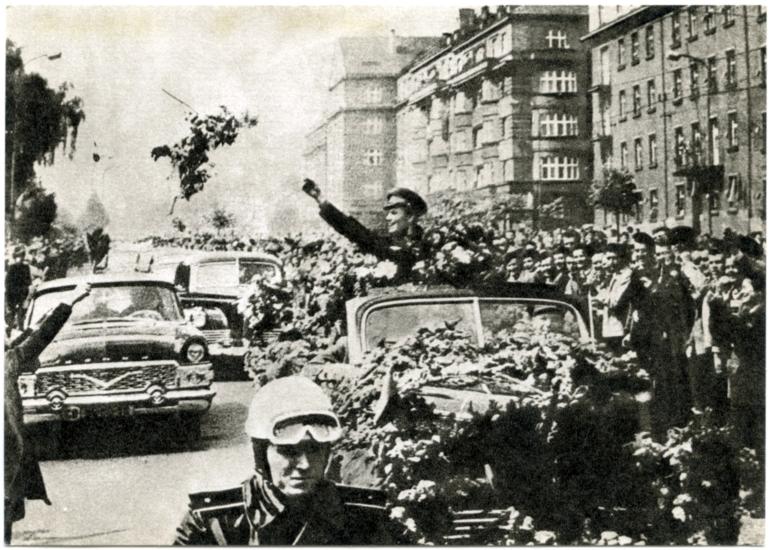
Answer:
(690, 306)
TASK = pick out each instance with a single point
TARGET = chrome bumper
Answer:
(195, 400)
(218, 350)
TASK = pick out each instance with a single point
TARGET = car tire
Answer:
(190, 427)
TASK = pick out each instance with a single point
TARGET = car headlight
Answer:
(26, 383)
(195, 353)
(195, 375)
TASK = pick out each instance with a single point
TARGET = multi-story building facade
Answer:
(352, 153)
(500, 107)
(679, 101)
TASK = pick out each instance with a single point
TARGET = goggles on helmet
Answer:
(322, 428)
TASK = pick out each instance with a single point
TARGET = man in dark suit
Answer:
(17, 281)
(404, 243)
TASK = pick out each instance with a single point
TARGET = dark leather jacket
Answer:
(337, 515)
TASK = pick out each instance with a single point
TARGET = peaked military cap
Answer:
(400, 196)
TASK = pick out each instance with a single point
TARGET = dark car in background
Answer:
(210, 284)
(125, 350)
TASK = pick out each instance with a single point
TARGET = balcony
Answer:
(549, 56)
(471, 71)
(426, 91)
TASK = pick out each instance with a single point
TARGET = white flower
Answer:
(679, 514)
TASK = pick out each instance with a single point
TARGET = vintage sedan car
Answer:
(210, 285)
(125, 350)
(482, 311)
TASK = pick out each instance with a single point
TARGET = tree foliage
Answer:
(190, 156)
(220, 219)
(615, 193)
(38, 119)
(35, 213)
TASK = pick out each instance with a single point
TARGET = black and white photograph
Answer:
(378, 275)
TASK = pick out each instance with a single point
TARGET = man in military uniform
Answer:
(287, 501)
(404, 243)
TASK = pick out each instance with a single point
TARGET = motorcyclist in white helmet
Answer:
(292, 426)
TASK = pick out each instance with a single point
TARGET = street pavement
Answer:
(126, 481)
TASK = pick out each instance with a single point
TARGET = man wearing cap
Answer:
(288, 501)
(404, 243)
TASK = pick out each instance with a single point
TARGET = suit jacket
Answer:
(22, 471)
(336, 516)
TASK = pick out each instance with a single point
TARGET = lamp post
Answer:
(708, 160)
(15, 134)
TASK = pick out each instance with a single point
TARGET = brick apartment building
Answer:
(501, 107)
(679, 100)
(352, 153)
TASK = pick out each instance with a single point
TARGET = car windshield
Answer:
(231, 274)
(250, 268)
(391, 323)
(394, 322)
(118, 302)
(512, 316)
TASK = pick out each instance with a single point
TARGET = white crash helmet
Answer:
(285, 410)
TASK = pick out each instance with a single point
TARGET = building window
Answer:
(507, 85)
(623, 155)
(712, 76)
(621, 53)
(677, 85)
(507, 169)
(558, 82)
(638, 152)
(694, 80)
(650, 42)
(761, 9)
(676, 30)
(680, 146)
(714, 141)
(762, 67)
(507, 127)
(731, 69)
(477, 137)
(732, 191)
(732, 131)
(654, 205)
(374, 157)
(696, 143)
(460, 141)
(489, 90)
(691, 23)
(621, 103)
(715, 200)
(558, 125)
(374, 125)
(374, 94)
(559, 168)
(636, 101)
(556, 40)
(709, 19)
(651, 94)
(635, 49)
(680, 200)
(652, 150)
(728, 12)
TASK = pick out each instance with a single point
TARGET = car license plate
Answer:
(106, 411)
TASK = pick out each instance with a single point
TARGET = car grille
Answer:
(214, 336)
(107, 379)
